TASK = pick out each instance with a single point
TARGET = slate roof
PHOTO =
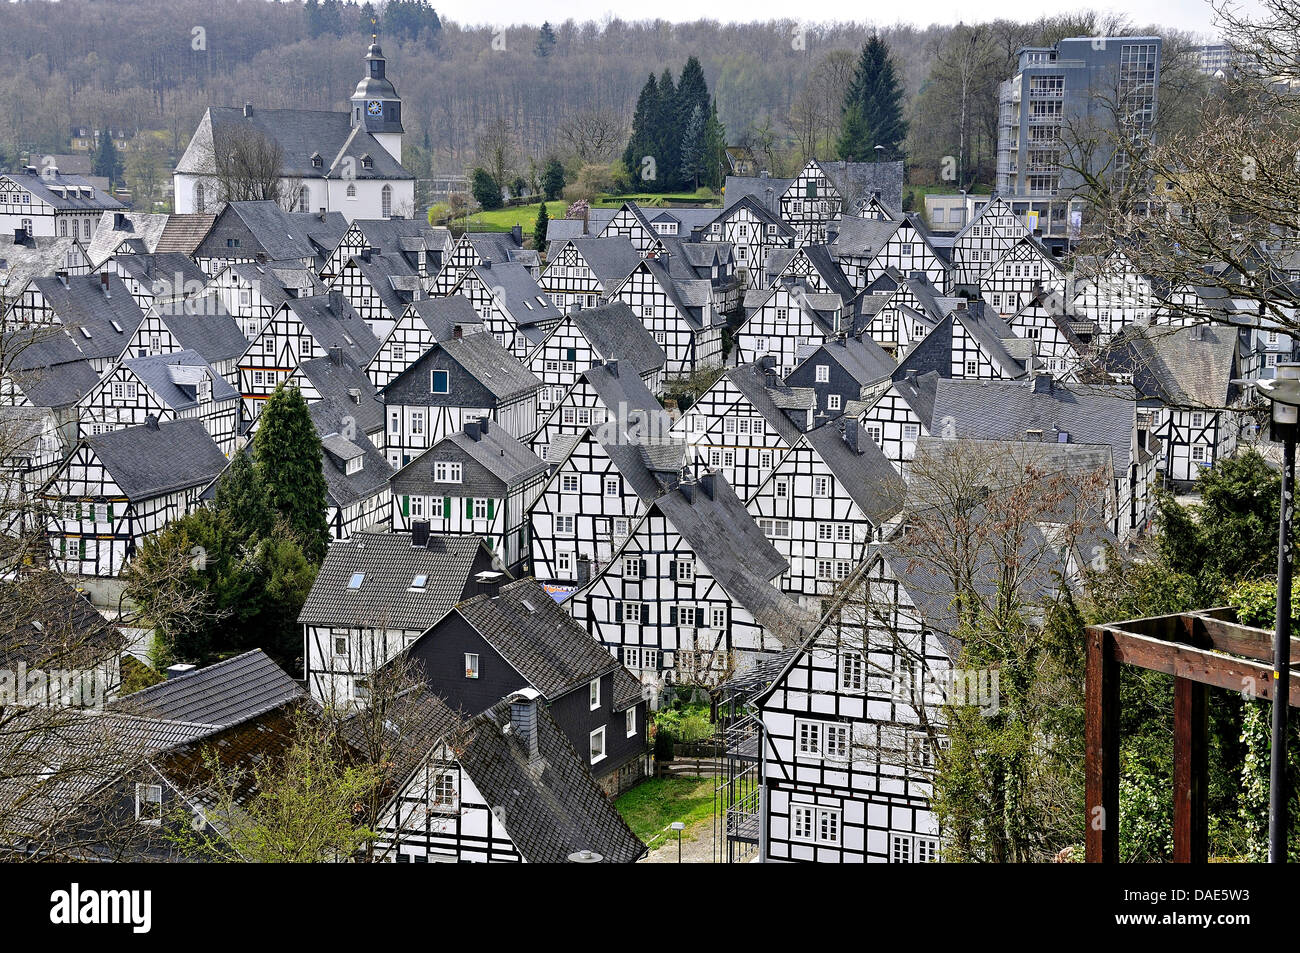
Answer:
(1006, 410)
(505, 458)
(553, 807)
(862, 237)
(1190, 366)
(918, 390)
(773, 398)
(140, 230)
(333, 322)
(57, 384)
(34, 257)
(517, 292)
(48, 624)
(759, 210)
(615, 333)
(443, 315)
(865, 473)
(650, 465)
(610, 259)
(754, 187)
(89, 315)
(490, 364)
(342, 488)
(164, 375)
(223, 694)
(861, 357)
(285, 236)
(203, 325)
(337, 380)
(53, 188)
(300, 134)
(146, 461)
(391, 277)
(390, 564)
(563, 229)
(542, 642)
(722, 534)
(857, 181)
(165, 275)
(274, 280)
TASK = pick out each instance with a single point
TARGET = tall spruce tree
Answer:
(287, 451)
(715, 150)
(668, 137)
(644, 122)
(694, 145)
(539, 228)
(107, 161)
(873, 110)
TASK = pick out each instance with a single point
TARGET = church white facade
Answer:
(331, 161)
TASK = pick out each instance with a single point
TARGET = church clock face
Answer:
(375, 108)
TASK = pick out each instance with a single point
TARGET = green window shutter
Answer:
(406, 506)
(571, 354)
(491, 507)
(78, 511)
(645, 612)
(672, 615)
(446, 507)
(618, 612)
(469, 507)
(81, 548)
(110, 512)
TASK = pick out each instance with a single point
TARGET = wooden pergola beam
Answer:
(1246, 676)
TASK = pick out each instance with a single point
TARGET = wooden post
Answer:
(1101, 762)
(1191, 773)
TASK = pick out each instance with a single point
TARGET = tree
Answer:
(667, 136)
(107, 161)
(539, 228)
(545, 44)
(873, 110)
(643, 145)
(485, 189)
(552, 179)
(694, 161)
(287, 450)
(248, 166)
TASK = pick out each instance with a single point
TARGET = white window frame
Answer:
(596, 745)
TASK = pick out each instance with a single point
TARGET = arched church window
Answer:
(352, 190)
(304, 199)
(199, 198)
(386, 201)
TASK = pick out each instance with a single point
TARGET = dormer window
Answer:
(367, 162)
(316, 160)
(353, 466)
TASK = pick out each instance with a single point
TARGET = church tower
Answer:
(376, 107)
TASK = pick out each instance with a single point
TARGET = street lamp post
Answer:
(678, 826)
(1284, 393)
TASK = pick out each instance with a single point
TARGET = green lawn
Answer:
(503, 219)
(654, 804)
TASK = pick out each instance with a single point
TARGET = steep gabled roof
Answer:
(223, 694)
(151, 460)
(610, 259)
(864, 472)
(390, 564)
(165, 375)
(774, 399)
(616, 334)
(541, 641)
(205, 326)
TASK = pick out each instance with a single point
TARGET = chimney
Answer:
(1044, 384)
(487, 262)
(457, 333)
(365, 253)
(961, 305)
(103, 284)
(151, 422)
(420, 533)
(764, 174)
(575, 308)
(687, 491)
(321, 214)
(1198, 332)
(119, 220)
(336, 302)
(354, 393)
(523, 721)
(612, 367)
(483, 426)
(336, 355)
(517, 235)
(487, 582)
(62, 276)
(472, 430)
(179, 669)
(248, 110)
(708, 484)
(584, 569)
(20, 236)
(851, 435)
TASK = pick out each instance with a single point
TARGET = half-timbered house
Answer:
(117, 488)
(745, 423)
(422, 245)
(1023, 271)
(375, 594)
(583, 338)
(511, 304)
(423, 324)
(155, 278)
(604, 394)
(455, 381)
(898, 417)
(753, 230)
(784, 321)
(47, 202)
(489, 647)
(96, 312)
(477, 480)
(842, 369)
(824, 503)
(983, 240)
(680, 315)
(263, 231)
(601, 481)
(202, 325)
(585, 271)
(170, 386)
(689, 596)
(474, 248)
(380, 286)
(867, 248)
(303, 328)
(252, 292)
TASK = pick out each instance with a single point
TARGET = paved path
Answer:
(697, 845)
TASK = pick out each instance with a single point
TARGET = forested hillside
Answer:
(155, 65)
